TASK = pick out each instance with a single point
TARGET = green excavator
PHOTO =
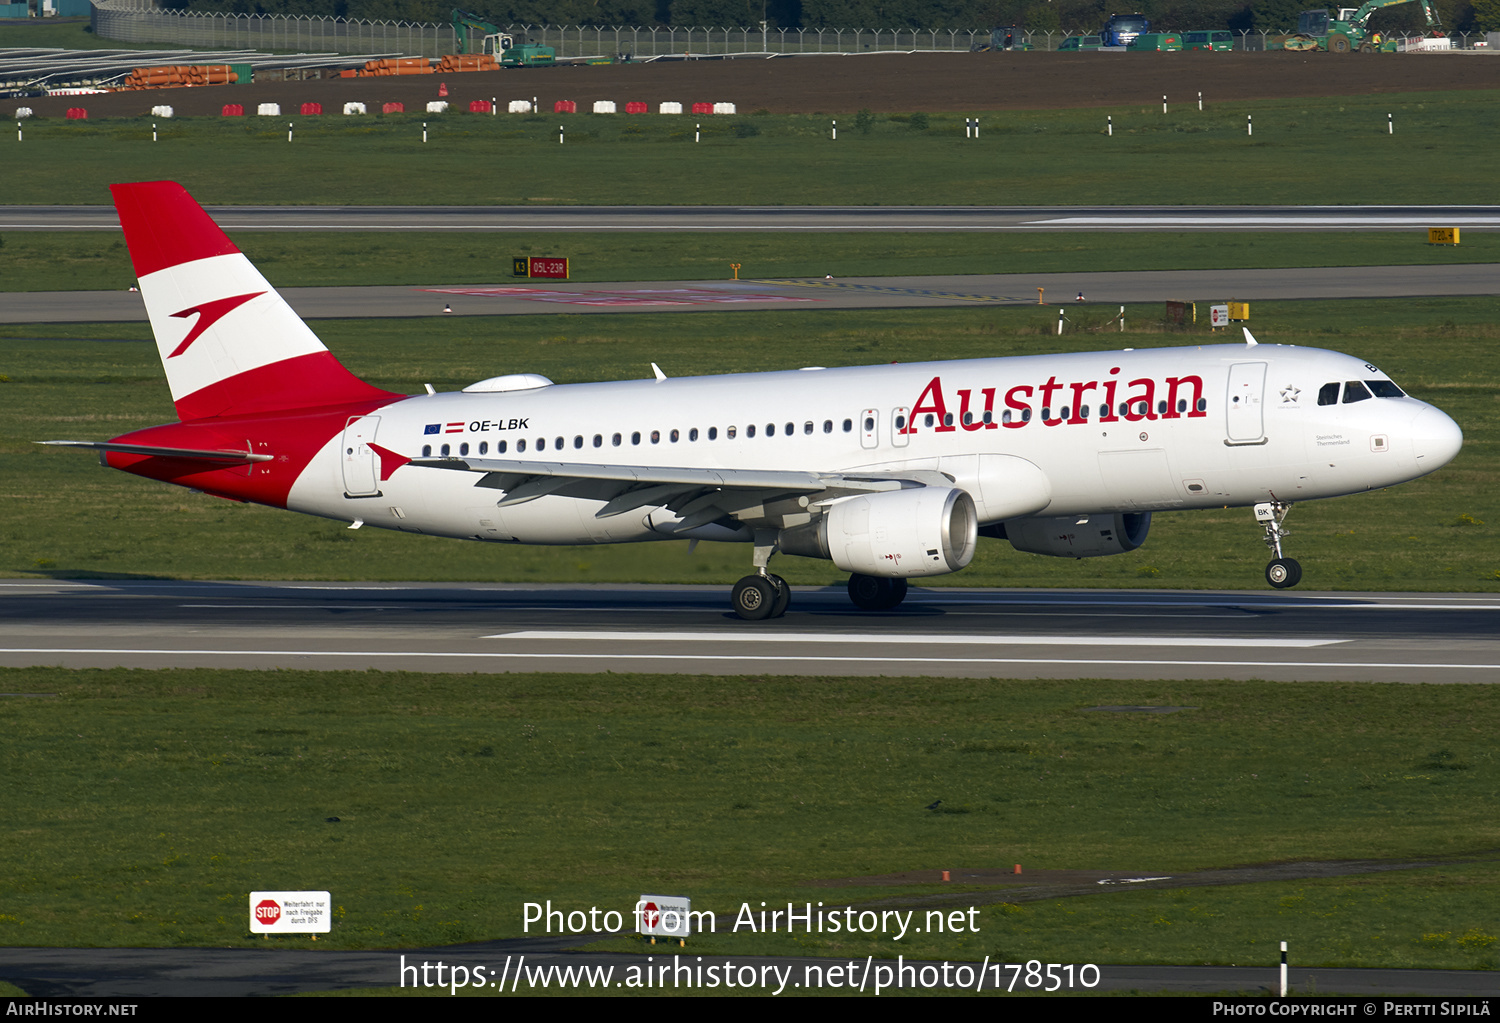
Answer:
(1344, 29)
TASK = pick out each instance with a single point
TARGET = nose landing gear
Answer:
(1282, 573)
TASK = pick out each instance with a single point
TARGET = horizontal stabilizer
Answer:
(226, 457)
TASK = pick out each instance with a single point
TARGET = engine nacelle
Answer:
(1076, 536)
(894, 533)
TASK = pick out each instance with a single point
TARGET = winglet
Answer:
(1250, 341)
(657, 370)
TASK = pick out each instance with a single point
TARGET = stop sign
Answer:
(650, 914)
(267, 912)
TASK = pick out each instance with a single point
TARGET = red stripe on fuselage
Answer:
(164, 226)
(293, 438)
(302, 382)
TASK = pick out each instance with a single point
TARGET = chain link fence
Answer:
(139, 21)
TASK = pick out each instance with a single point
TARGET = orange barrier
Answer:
(393, 108)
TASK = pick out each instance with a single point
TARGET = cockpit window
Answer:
(1385, 389)
(1328, 394)
(1355, 391)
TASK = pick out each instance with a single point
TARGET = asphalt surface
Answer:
(949, 632)
(208, 972)
(519, 298)
(785, 218)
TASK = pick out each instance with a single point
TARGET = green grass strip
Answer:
(143, 806)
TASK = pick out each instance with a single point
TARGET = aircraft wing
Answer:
(697, 495)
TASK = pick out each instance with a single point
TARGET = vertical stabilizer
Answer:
(230, 344)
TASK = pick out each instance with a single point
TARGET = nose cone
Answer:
(1435, 439)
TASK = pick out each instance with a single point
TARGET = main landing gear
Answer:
(873, 593)
(763, 595)
(1282, 573)
(757, 597)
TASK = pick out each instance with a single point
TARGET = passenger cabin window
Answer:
(500, 446)
(848, 425)
(729, 433)
(1355, 391)
(426, 450)
(447, 451)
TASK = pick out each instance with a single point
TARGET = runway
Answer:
(785, 218)
(520, 298)
(947, 632)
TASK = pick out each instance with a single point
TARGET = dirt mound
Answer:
(884, 83)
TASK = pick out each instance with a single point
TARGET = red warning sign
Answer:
(267, 912)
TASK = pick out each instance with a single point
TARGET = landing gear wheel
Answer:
(755, 598)
(1283, 573)
(873, 593)
(783, 596)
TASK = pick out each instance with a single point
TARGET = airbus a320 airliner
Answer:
(891, 472)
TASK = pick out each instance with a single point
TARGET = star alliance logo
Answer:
(1289, 394)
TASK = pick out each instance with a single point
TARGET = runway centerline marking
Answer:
(907, 639)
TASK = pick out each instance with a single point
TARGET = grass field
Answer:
(1302, 152)
(97, 260)
(143, 806)
(67, 517)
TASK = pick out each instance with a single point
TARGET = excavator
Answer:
(1345, 29)
(471, 31)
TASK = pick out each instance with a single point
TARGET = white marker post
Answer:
(153, 131)
(835, 135)
(559, 134)
(289, 131)
(1059, 321)
(697, 131)
(495, 106)
(1164, 104)
(1200, 102)
(1283, 969)
(1111, 122)
(18, 131)
(1390, 125)
(424, 133)
(1249, 127)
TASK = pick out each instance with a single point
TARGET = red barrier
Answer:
(393, 108)
(234, 110)
(309, 109)
(565, 106)
(703, 108)
(636, 108)
(479, 106)
(77, 114)
(443, 89)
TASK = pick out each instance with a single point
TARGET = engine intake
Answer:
(896, 534)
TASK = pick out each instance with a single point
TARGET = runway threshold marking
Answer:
(906, 639)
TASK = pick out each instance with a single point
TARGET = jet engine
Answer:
(1076, 536)
(894, 533)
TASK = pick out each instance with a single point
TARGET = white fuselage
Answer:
(1111, 431)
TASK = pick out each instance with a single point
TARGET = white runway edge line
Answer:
(899, 638)
(747, 658)
(1351, 222)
